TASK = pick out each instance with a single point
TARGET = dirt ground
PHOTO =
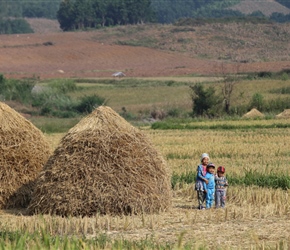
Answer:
(78, 54)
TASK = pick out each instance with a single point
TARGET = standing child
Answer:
(221, 187)
(210, 186)
(200, 179)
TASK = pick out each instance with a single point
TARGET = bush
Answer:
(17, 90)
(63, 86)
(258, 102)
(204, 101)
(89, 103)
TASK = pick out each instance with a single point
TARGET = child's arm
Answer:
(226, 182)
(200, 175)
(204, 185)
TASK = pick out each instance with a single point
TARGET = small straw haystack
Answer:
(23, 153)
(103, 165)
(284, 114)
(253, 113)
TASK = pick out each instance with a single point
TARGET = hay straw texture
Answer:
(253, 113)
(284, 114)
(23, 153)
(103, 165)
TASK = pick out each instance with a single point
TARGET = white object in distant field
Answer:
(119, 74)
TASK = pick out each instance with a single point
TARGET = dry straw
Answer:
(103, 165)
(253, 113)
(23, 153)
(284, 114)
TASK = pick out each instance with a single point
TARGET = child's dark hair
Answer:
(210, 165)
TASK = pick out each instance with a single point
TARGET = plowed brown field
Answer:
(80, 54)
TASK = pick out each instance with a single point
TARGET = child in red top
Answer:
(221, 185)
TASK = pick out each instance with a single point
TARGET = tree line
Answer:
(81, 14)
(84, 14)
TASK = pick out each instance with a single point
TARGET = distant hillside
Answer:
(43, 25)
(267, 7)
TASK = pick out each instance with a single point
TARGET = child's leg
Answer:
(223, 198)
(218, 198)
(209, 198)
(201, 198)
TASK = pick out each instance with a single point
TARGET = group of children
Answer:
(210, 187)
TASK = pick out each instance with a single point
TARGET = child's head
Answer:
(210, 168)
(221, 171)
(204, 158)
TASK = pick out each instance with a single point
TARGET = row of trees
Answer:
(29, 8)
(80, 14)
(171, 10)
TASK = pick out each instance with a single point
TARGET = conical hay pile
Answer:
(23, 153)
(103, 165)
(253, 113)
(284, 114)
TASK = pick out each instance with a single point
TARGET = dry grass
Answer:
(253, 113)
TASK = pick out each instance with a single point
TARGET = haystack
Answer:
(284, 114)
(103, 165)
(253, 113)
(23, 153)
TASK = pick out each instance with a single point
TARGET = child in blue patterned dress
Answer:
(201, 172)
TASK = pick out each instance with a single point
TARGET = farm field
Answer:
(255, 217)
(146, 50)
(159, 72)
(142, 96)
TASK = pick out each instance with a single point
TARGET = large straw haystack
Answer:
(253, 113)
(103, 165)
(284, 114)
(23, 153)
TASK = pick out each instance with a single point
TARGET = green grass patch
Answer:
(164, 125)
(255, 178)
(43, 240)
(184, 178)
(250, 178)
(54, 125)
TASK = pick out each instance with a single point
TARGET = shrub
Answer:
(17, 90)
(258, 102)
(63, 86)
(204, 101)
(89, 103)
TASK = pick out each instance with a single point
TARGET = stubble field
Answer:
(255, 217)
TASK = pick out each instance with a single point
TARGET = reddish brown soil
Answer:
(81, 54)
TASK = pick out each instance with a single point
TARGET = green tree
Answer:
(66, 15)
(257, 102)
(204, 101)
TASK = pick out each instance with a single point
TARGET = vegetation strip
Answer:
(250, 178)
(166, 125)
